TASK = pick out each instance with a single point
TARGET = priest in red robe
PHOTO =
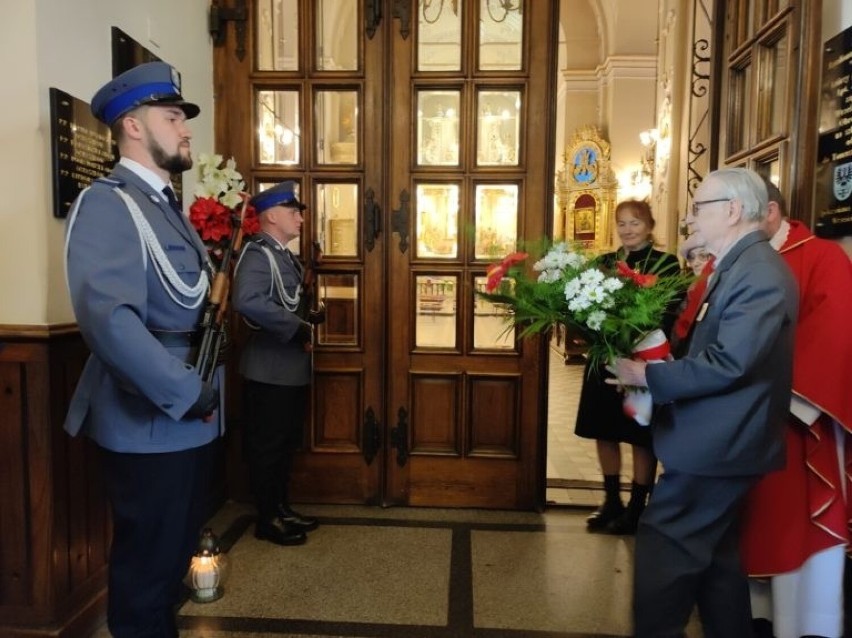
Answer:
(796, 521)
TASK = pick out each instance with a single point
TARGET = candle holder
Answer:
(208, 569)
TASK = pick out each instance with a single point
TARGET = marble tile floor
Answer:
(434, 573)
(420, 573)
(573, 473)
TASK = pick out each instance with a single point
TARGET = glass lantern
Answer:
(207, 570)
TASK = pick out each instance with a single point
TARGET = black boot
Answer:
(277, 531)
(762, 628)
(294, 519)
(612, 506)
(627, 523)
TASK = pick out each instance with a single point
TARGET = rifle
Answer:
(214, 320)
(311, 309)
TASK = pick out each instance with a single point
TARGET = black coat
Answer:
(599, 414)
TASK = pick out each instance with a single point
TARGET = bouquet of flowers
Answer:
(219, 197)
(617, 311)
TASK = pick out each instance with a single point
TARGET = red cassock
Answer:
(793, 513)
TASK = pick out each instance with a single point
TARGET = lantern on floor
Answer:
(208, 569)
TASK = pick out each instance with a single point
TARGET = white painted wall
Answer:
(66, 44)
(836, 16)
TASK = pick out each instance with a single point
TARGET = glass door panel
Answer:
(498, 127)
(495, 221)
(277, 40)
(337, 35)
(278, 130)
(336, 227)
(438, 127)
(435, 308)
(439, 35)
(336, 127)
(437, 213)
(501, 35)
(491, 330)
(340, 294)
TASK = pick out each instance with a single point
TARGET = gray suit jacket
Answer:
(273, 354)
(725, 402)
(133, 390)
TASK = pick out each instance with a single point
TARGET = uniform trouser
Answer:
(159, 504)
(687, 554)
(273, 430)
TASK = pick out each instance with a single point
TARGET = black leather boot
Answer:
(612, 506)
(628, 521)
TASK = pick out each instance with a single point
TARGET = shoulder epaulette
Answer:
(111, 182)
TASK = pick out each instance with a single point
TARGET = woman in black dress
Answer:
(600, 415)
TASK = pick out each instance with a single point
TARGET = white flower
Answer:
(223, 183)
(611, 284)
(572, 288)
(596, 294)
(595, 319)
(549, 276)
(591, 277)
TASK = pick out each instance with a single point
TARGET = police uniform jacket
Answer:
(134, 390)
(274, 353)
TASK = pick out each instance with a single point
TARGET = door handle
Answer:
(400, 220)
(372, 219)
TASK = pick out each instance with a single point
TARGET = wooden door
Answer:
(470, 177)
(764, 57)
(326, 94)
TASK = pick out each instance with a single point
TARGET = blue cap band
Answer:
(270, 198)
(144, 93)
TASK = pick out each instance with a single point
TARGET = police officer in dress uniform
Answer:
(138, 276)
(276, 361)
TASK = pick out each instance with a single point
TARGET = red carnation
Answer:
(496, 272)
(641, 280)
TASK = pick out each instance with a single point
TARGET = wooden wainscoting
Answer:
(54, 522)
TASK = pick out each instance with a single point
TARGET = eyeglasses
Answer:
(699, 203)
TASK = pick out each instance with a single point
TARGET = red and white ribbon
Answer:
(653, 348)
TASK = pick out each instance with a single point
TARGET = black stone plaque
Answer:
(81, 148)
(128, 53)
(834, 153)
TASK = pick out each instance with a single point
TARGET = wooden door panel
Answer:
(469, 414)
(435, 414)
(338, 410)
(399, 416)
(494, 415)
(332, 115)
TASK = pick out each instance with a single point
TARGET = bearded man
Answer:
(138, 276)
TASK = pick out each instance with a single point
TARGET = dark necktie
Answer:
(173, 202)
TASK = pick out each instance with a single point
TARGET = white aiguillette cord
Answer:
(150, 244)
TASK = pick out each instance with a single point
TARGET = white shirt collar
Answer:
(780, 237)
(150, 177)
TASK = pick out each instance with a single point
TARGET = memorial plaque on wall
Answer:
(81, 149)
(834, 157)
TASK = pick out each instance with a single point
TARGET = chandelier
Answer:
(498, 10)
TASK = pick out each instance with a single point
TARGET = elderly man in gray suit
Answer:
(720, 422)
